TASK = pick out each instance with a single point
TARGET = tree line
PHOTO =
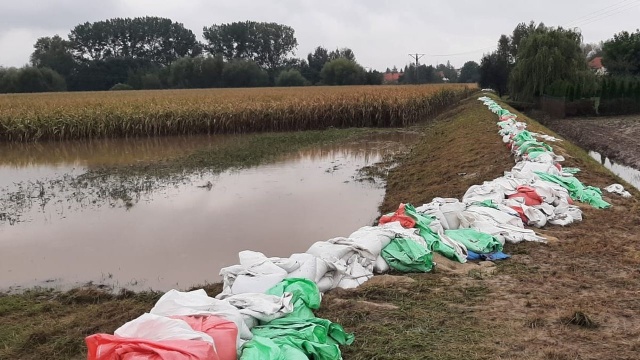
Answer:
(537, 60)
(157, 53)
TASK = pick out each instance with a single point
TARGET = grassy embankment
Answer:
(573, 298)
(65, 116)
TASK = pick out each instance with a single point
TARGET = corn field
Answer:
(66, 116)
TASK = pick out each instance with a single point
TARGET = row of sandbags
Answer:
(265, 310)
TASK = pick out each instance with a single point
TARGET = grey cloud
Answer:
(381, 32)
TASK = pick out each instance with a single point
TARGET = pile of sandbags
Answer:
(265, 310)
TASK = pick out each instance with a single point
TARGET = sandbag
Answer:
(223, 332)
(110, 347)
(159, 328)
(197, 302)
(476, 241)
(407, 256)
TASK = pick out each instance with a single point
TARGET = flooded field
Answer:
(181, 229)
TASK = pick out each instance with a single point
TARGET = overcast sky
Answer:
(381, 32)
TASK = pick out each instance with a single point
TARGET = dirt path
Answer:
(618, 138)
(576, 297)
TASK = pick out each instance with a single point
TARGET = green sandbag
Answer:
(263, 348)
(577, 190)
(535, 153)
(475, 241)
(407, 256)
(432, 239)
(299, 335)
(529, 146)
(306, 296)
(297, 339)
(523, 137)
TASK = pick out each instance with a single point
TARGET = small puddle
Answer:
(629, 174)
(181, 235)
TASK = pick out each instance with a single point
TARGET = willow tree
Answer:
(545, 56)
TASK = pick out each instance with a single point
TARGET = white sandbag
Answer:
(499, 217)
(286, 264)
(373, 238)
(160, 328)
(352, 263)
(261, 307)
(536, 217)
(445, 210)
(551, 193)
(529, 167)
(486, 224)
(401, 232)
(311, 267)
(255, 274)
(566, 214)
(480, 193)
(381, 266)
(618, 189)
(258, 283)
(197, 302)
(508, 184)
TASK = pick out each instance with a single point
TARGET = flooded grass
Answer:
(120, 228)
(117, 185)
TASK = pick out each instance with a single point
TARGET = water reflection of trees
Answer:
(95, 189)
(105, 152)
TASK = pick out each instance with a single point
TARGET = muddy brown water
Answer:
(183, 234)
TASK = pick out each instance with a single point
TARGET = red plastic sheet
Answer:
(223, 332)
(110, 347)
(405, 220)
(529, 194)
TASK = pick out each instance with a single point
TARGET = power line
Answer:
(604, 14)
(581, 18)
(608, 15)
(587, 19)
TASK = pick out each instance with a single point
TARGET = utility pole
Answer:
(417, 57)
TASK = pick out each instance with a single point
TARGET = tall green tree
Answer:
(266, 44)
(316, 61)
(342, 53)
(198, 72)
(374, 77)
(101, 75)
(30, 79)
(290, 78)
(470, 72)
(154, 39)
(545, 56)
(342, 71)
(622, 54)
(494, 72)
(422, 75)
(244, 73)
(449, 71)
(54, 53)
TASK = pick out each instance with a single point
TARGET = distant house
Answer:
(391, 77)
(596, 65)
